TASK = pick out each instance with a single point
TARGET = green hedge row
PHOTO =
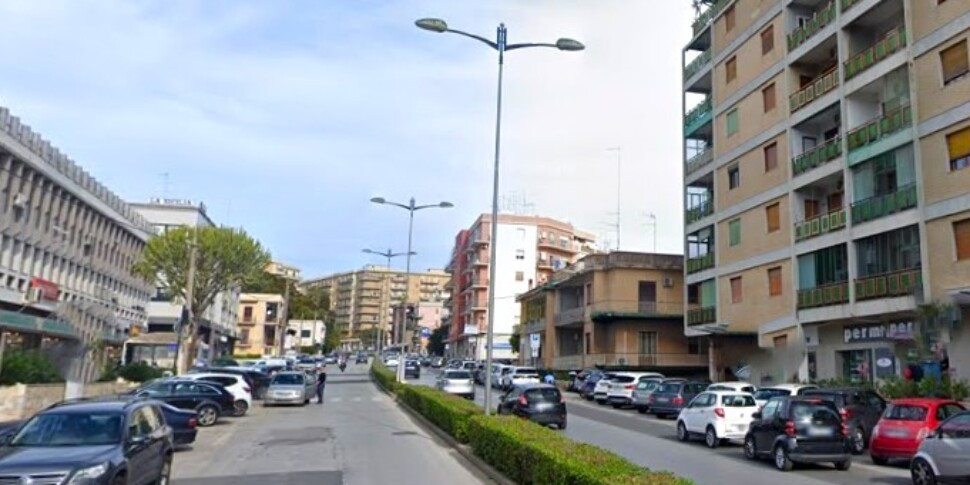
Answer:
(448, 412)
(385, 377)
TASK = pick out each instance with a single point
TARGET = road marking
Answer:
(335, 399)
(889, 470)
(356, 399)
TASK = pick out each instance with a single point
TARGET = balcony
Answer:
(698, 116)
(825, 295)
(817, 156)
(698, 212)
(645, 360)
(847, 4)
(534, 326)
(613, 309)
(879, 128)
(571, 316)
(699, 160)
(822, 18)
(705, 19)
(892, 42)
(480, 260)
(821, 85)
(819, 225)
(568, 362)
(479, 282)
(899, 283)
(700, 263)
(698, 315)
(695, 65)
(883, 205)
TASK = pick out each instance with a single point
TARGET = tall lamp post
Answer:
(501, 46)
(389, 254)
(411, 207)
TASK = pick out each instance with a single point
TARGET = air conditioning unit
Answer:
(20, 201)
(33, 295)
(668, 282)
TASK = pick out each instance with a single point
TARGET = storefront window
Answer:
(857, 365)
(812, 367)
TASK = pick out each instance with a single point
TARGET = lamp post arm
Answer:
(427, 206)
(529, 44)
(479, 38)
(405, 207)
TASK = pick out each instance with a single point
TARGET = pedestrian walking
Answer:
(321, 384)
(549, 379)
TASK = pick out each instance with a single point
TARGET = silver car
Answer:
(942, 456)
(458, 382)
(643, 390)
(291, 387)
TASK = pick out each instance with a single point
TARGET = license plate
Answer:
(897, 433)
(662, 399)
(819, 431)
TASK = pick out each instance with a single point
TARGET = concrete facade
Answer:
(260, 325)
(305, 333)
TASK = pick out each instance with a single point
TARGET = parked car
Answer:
(717, 416)
(737, 386)
(765, 393)
(942, 456)
(412, 368)
(671, 397)
(184, 423)
(645, 388)
(499, 375)
(459, 382)
(233, 383)
(519, 376)
(290, 387)
(209, 400)
(579, 379)
(622, 385)
(361, 358)
(437, 362)
(589, 384)
(905, 424)
(796, 429)
(602, 387)
(860, 409)
(91, 442)
(258, 381)
(540, 403)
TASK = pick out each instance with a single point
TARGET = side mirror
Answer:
(5, 439)
(756, 415)
(137, 441)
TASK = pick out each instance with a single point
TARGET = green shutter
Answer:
(734, 228)
(732, 122)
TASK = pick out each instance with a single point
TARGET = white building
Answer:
(305, 333)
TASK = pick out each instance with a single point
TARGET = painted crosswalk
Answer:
(355, 399)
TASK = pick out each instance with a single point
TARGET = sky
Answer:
(285, 117)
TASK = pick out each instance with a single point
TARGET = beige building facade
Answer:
(260, 325)
(827, 184)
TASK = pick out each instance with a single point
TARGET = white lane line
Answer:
(888, 470)
(356, 399)
(335, 399)
(375, 399)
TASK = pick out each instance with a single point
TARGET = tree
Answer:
(436, 342)
(332, 342)
(514, 342)
(225, 258)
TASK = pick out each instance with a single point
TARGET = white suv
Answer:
(603, 387)
(520, 375)
(620, 392)
(718, 416)
(242, 395)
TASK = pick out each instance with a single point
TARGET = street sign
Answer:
(425, 332)
(534, 340)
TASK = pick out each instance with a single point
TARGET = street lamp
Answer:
(500, 45)
(411, 207)
(387, 254)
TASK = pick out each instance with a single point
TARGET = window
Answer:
(729, 19)
(730, 70)
(770, 410)
(773, 217)
(955, 62)
(648, 343)
(247, 313)
(305, 334)
(768, 97)
(774, 281)
(767, 40)
(958, 145)
(736, 294)
(732, 122)
(961, 233)
(734, 232)
(519, 276)
(734, 177)
(771, 157)
(244, 336)
(520, 254)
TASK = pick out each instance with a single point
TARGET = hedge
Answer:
(385, 377)
(448, 412)
(28, 367)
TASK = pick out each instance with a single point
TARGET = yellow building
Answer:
(616, 310)
(260, 324)
(816, 226)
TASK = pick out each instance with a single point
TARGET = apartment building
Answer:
(816, 227)
(426, 316)
(67, 245)
(530, 249)
(217, 325)
(302, 334)
(260, 324)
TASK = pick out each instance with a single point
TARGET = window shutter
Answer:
(774, 281)
(961, 233)
(958, 144)
(955, 61)
(736, 296)
(773, 216)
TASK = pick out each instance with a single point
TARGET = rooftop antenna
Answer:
(619, 159)
(652, 223)
(166, 184)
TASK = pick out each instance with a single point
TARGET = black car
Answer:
(412, 368)
(799, 429)
(860, 408)
(184, 423)
(540, 403)
(208, 400)
(90, 442)
(361, 358)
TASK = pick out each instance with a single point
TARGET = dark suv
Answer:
(799, 429)
(90, 442)
(860, 408)
(412, 368)
(209, 400)
(539, 403)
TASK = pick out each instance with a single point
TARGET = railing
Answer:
(893, 41)
(698, 112)
(825, 295)
(620, 308)
(821, 18)
(897, 283)
(570, 316)
(700, 263)
(479, 282)
(701, 315)
(533, 327)
(821, 85)
(645, 360)
(699, 160)
(696, 64)
(847, 4)
(881, 127)
(699, 211)
(819, 225)
(883, 205)
(568, 362)
(481, 259)
(478, 304)
(825, 152)
(705, 18)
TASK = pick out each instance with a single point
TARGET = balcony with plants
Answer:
(698, 116)
(889, 264)
(702, 303)
(823, 277)
(705, 11)
(700, 199)
(809, 19)
(819, 207)
(875, 36)
(699, 62)
(817, 140)
(700, 250)
(884, 185)
(814, 74)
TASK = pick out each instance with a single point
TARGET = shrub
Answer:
(139, 372)
(448, 412)
(385, 377)
(896, 387)
(531, 454)
(28, 367)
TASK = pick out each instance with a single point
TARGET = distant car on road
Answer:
(671, 397)
(437, 362)
(412, 368)
(458, 382)
(645, 388)
(235, 384)
(258, 381)
(622, 385)
(540, 403)
(717, 416)
(520, 376)
(361, 358)
(290, 388)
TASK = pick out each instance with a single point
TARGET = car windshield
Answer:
(458, 374)
(546, 394)
(70, 429)
(670, 387)
(815, 411)
(768, 393)
(288, 380)
(737, 401)
(622, 379)
(647, 385)
(906, 412)
(526, 371)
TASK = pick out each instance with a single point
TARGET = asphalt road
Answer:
(357, 437)
(652, 443)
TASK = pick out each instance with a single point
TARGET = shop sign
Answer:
(878, 332)
(47, 290)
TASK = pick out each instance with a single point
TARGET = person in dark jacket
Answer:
(321, 384)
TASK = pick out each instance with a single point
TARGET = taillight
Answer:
(248, 390)
(876, 430)
(629, 386)
(845, 430)
(678, 400)
(790, 428)
(923, 433)
(846, 414)
(719, 412)
(523, 401)
(193, 422)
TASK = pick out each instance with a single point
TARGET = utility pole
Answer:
(284, 316)
(619, 158)
(189, 295)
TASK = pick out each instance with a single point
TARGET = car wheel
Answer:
(617, 406)
(642, 410)
(240, 408)
(710, 438)
(858, 441)
(750, 448)
(562, 424)
(782, 462)
(922, 473)
(163, 477)
(843, 465)
(208, 415)
(119, 480)
(682, 433)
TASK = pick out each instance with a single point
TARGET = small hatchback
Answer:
(458, 382)
(645, 388)
(718, 416)
(673, 396)
(539, 403)
(623, 384)
(905, 424)
(290, 388)
(799, 430)
(942, 456)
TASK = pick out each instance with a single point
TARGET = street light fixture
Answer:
(387, 254)
(500, 45)
(411, 207)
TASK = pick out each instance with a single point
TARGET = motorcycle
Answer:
(343, 365)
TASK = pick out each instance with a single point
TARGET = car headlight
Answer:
(84, 475)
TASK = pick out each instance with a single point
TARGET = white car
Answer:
(602, 388)
(501, 370)
(622, 385)
(718, 416)
(736, 386)
(520, 375)
(765, 393)
(236, 385)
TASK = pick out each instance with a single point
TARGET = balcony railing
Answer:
(893, 41)
(701, 315)
(697, 113)
(699, 160)
(819, 225)
(847, 4)
(817, 156)
(821, 85)
(825, 295)
(699, 211)
(897, 283)
(571, 316)
(818, 22)
(645, 360)
(695, 65)
(883, 205)
(479, 281)
(620, 308)
(700, 263)
(881, 127)
(568, 362)
(480, 260)
(705, 18)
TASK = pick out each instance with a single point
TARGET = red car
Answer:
(904, 424)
